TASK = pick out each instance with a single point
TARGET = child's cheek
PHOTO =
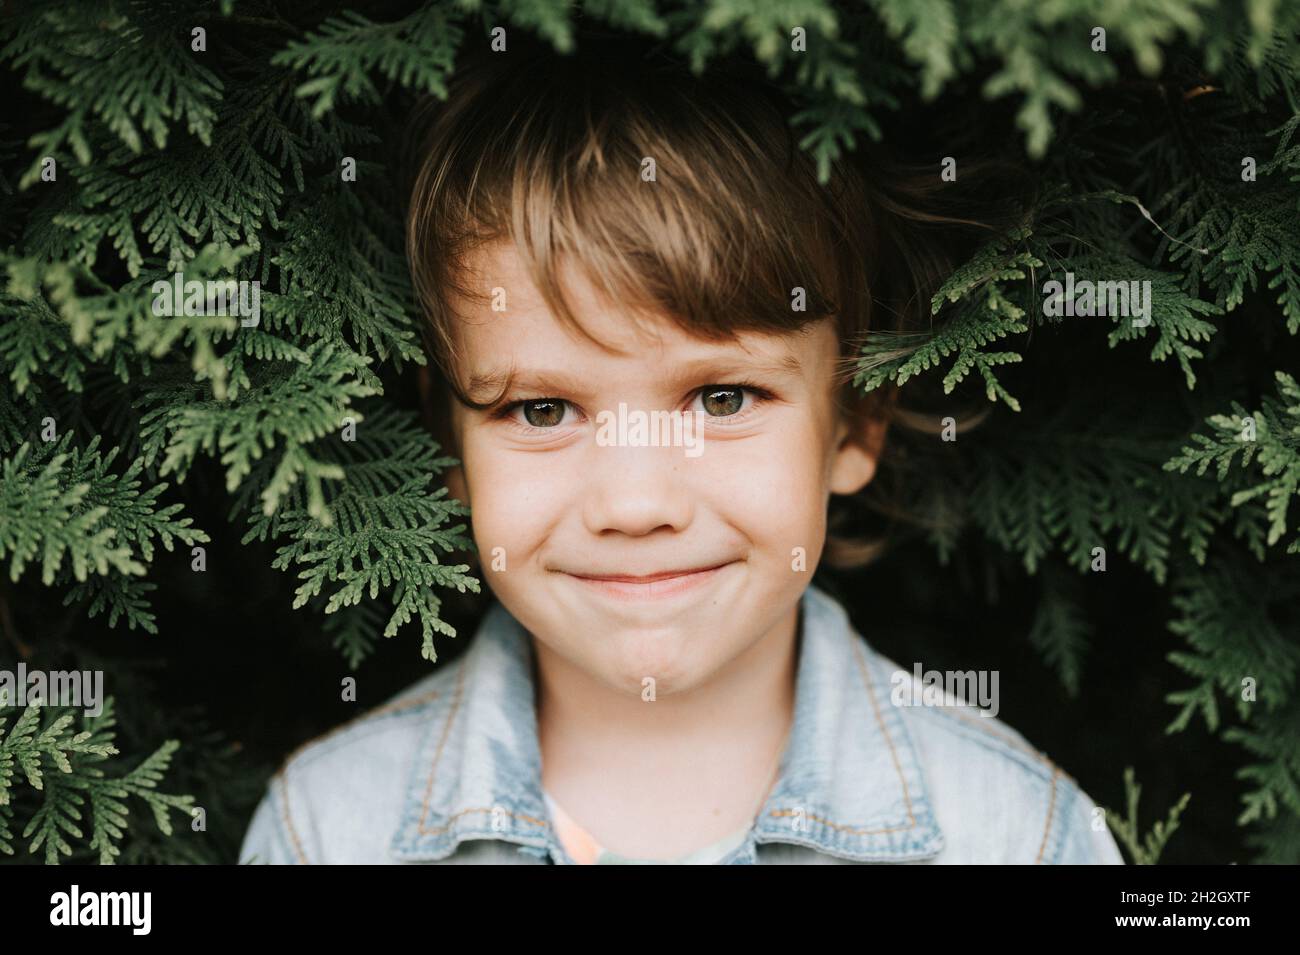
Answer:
(514, 501)
(776, 490)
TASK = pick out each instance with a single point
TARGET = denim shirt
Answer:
(449, 771)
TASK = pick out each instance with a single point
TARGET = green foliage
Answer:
(981, 320)
(388, 535)
(1269, 440)
(344, 51)
(88, 522)
(226, 163)
(115, 66)
(1143, 851)
(62, 769)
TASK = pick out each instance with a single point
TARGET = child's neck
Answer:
(661, 779)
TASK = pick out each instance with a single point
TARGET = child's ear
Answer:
(858, 447)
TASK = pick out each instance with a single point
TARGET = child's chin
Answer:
(661, 664)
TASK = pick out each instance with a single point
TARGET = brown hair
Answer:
(546, 151)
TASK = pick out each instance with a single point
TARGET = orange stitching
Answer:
(907, 799)
(1057, 772)
(982, 723)
(837, 826)
(433, 772)
(395, 707)
(446, 730)
(1051, 805)
(387, 708)
(532, 820)
(284, 814)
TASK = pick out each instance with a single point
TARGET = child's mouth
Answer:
(652, 586)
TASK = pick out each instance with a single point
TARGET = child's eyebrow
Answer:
(503, 381)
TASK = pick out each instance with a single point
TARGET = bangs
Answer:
(677, 197)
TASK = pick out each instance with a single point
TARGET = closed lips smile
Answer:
(665, 584)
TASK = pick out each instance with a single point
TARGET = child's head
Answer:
(600, 231)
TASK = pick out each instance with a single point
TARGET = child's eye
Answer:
(725, 401)
(718, 402)
(539, 412)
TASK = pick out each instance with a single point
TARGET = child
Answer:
(644, 311)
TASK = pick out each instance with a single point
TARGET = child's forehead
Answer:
(502, 286)
(509, 318)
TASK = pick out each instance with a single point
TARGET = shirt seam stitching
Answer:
(1051, 808)
(283, 775)
(379, 712)
(864, 669)
(288, 822)
(421, 826)
(1043, 761)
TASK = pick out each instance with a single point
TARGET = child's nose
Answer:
(635, 490)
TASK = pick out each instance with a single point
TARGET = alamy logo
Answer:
(1088, 298)
(937, 687)
(213, 297)
(655, 429)
(83, 688)
(102, 908)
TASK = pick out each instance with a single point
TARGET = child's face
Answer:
(554, 506)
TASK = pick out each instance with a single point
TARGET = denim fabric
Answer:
(449, 771)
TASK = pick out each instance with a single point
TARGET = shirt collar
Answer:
(850, 783)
